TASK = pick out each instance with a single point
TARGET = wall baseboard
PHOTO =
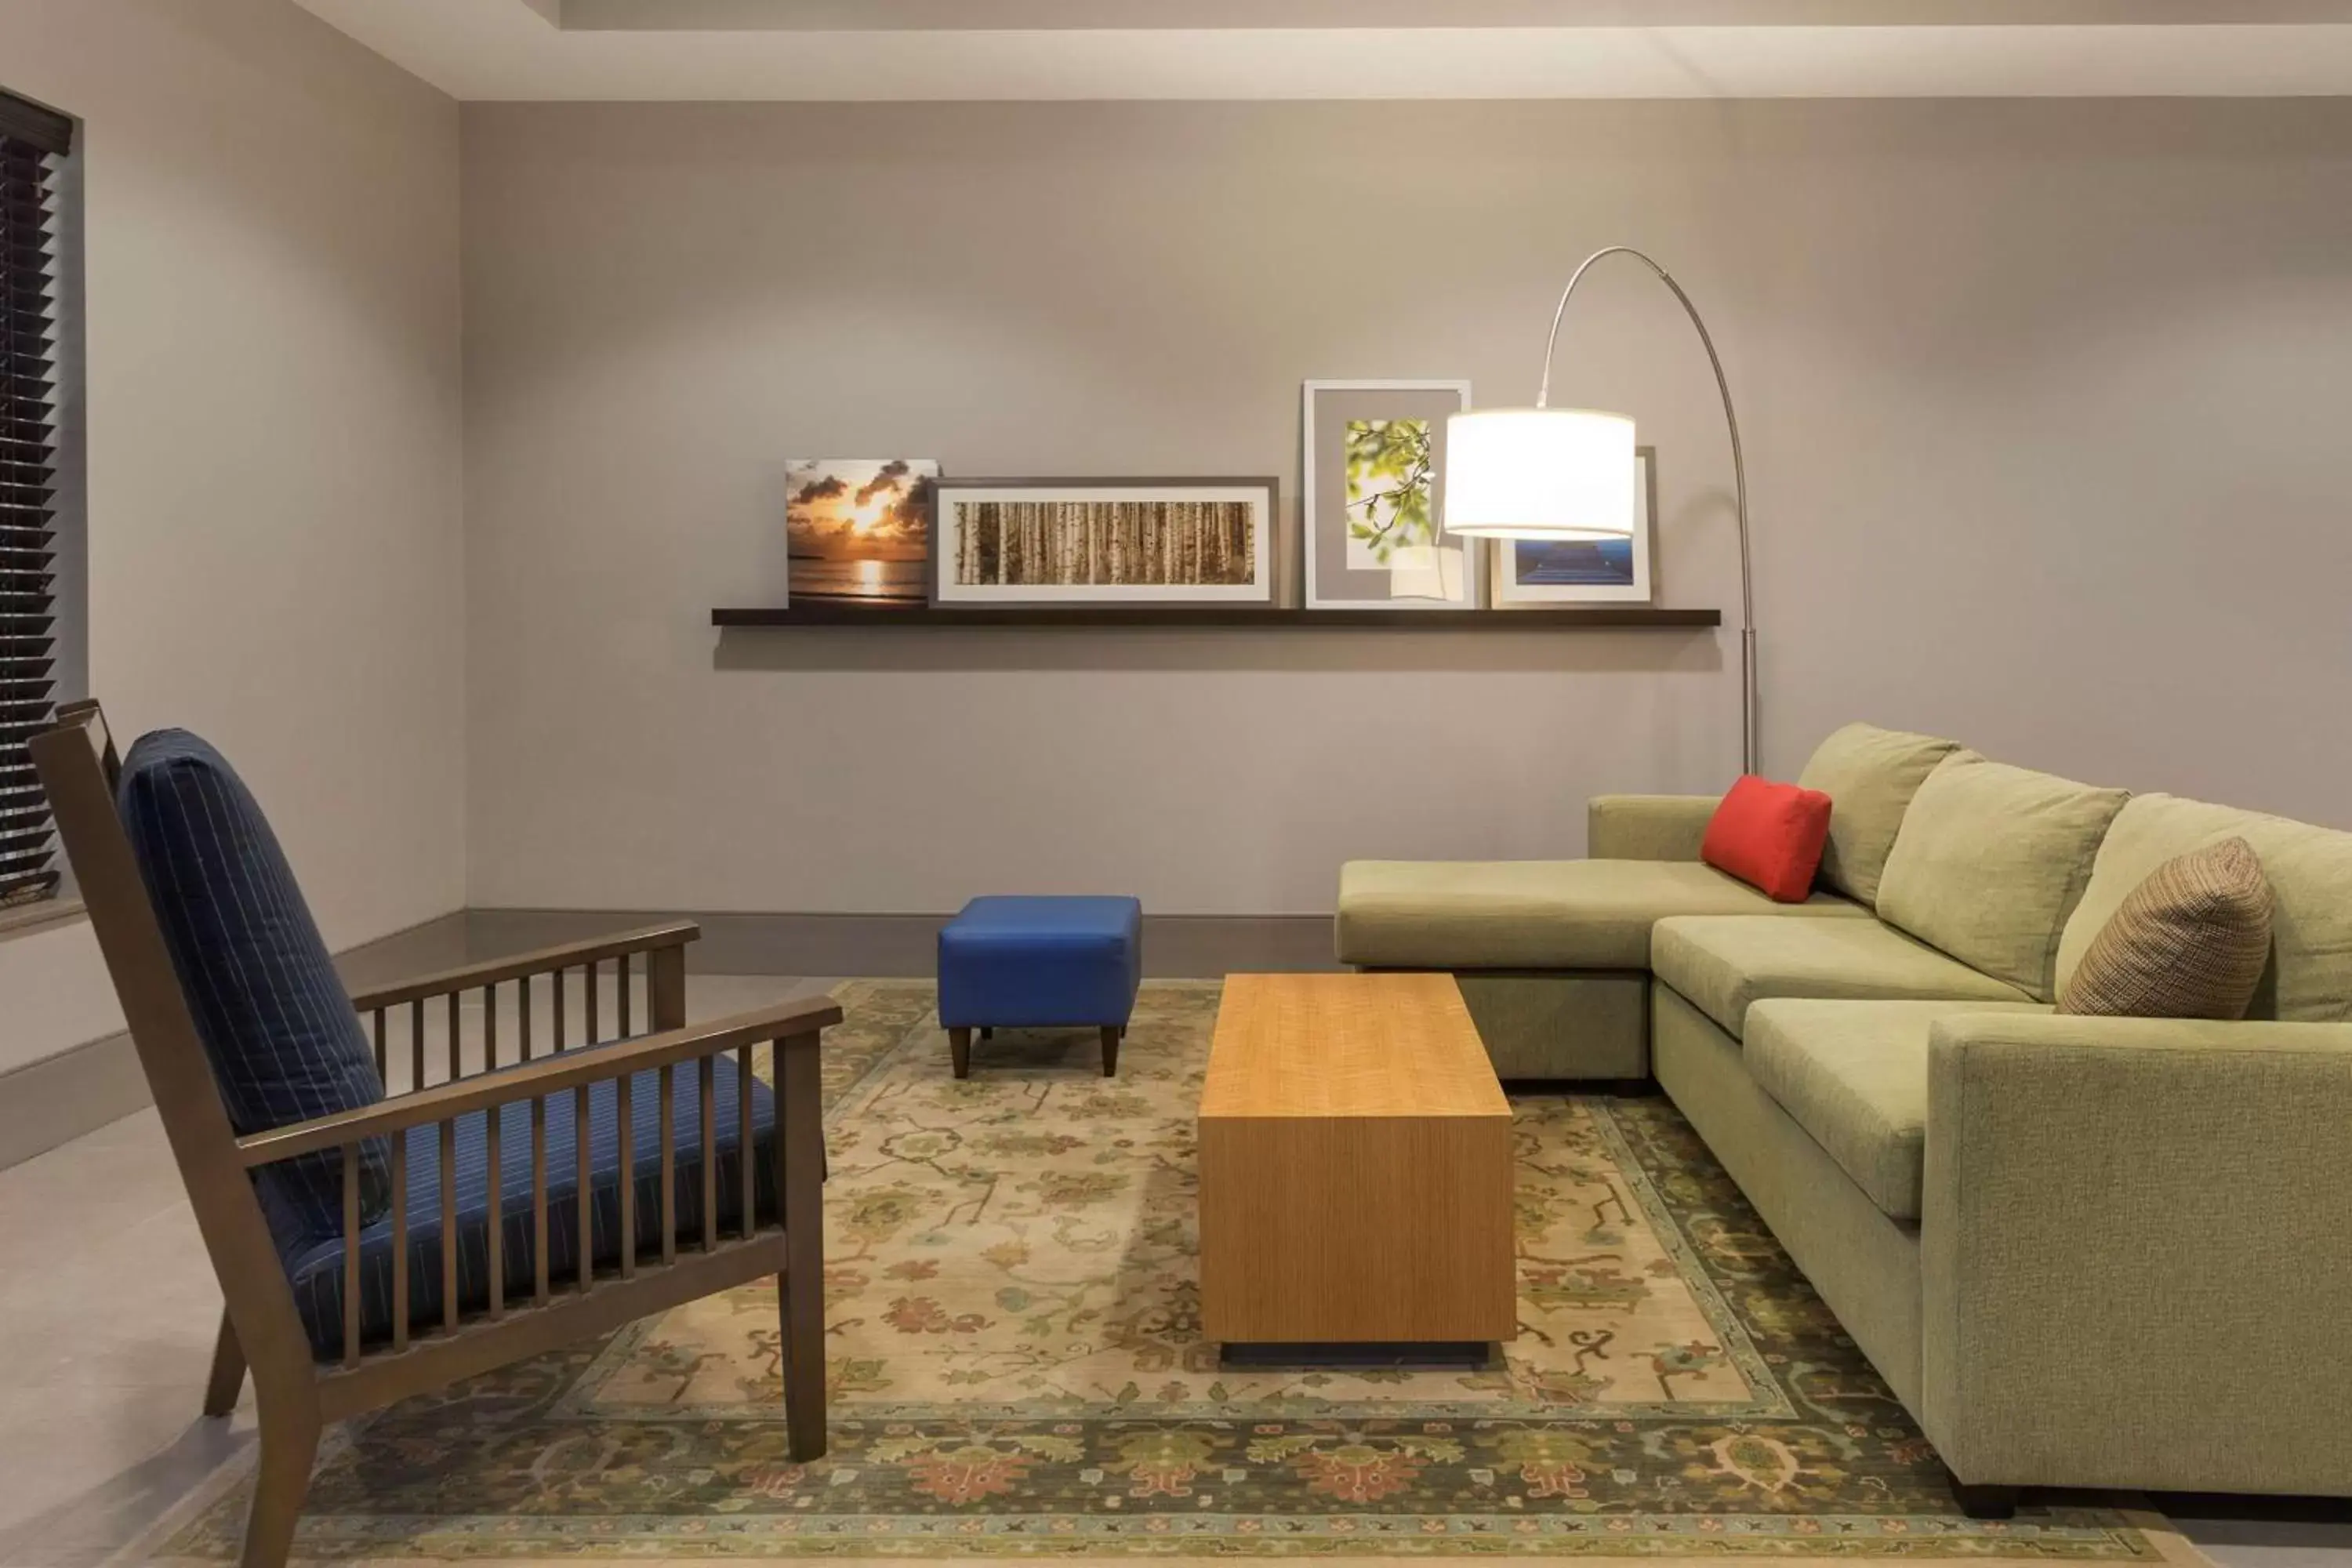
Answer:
(830, 946)
(58, 1098)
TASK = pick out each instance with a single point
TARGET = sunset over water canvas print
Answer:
(858, 530)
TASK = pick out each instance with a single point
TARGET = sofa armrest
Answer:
(1647, 827)
(2133, 1243)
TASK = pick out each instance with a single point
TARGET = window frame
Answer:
(27, 120)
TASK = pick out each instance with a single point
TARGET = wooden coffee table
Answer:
(1355, 1157)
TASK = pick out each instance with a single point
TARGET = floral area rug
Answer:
(1016, 1366)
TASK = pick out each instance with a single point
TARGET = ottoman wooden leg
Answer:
(960, 1051)
(1111, 1032)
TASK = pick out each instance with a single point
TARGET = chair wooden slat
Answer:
(382, 1067)
(590, 1007)
(621, 968)
(539, 1234)
(670, 1165)
(490, 1028)
(745, 1164)
(709, 1074)
(351, 1255)
(558, 1014)
(416, 1046)
(523, 1019)
(586, 1205)
(666, 988)
(449, 1225)
(455, 1053)
(400, 1244)
(626, 1100)
(494, 1137)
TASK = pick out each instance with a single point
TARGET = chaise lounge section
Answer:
(1553, 956)
(2079, 1249)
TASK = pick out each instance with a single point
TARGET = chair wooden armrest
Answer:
(523, 966)
(544, 1075)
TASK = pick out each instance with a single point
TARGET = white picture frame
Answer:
(1641, 583)
(952, 498)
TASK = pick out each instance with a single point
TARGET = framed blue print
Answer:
(1586, 571)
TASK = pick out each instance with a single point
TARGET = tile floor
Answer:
(109, 1341)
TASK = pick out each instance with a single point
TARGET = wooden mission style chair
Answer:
(329, 1206)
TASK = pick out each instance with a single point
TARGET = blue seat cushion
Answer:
(274, 1018)
(1015, 963)
(315, 1267)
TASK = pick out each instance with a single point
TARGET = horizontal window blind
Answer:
(32, 142)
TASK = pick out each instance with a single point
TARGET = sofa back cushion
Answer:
(1870, 775)
(275, 1021)
(2309, 978)
(1991, 861)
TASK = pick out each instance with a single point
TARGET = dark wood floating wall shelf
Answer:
(1228, 616)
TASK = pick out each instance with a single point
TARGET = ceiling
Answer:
(1065, 49)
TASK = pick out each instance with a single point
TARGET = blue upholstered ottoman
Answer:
(1008, 964)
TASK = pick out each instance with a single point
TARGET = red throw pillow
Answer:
(1770, 835)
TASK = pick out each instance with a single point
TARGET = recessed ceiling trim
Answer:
(505, 50)
(1191, 16)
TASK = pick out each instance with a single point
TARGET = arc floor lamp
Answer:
(1546, 473)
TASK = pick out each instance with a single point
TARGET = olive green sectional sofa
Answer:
(2084, 1252)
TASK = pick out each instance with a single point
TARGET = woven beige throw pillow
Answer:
(2188, 942)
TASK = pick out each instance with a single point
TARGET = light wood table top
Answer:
(1348, 1044)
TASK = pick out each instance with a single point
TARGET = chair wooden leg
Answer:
(801, 1289)
(289, 1445)
(228, 1371)
(960, 1051)
(1111, 1032)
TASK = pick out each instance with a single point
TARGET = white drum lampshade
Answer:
(1539, 473)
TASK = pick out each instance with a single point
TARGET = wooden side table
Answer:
(1355, 1156)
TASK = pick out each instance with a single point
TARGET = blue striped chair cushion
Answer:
(272, 1012)
(316, 1269)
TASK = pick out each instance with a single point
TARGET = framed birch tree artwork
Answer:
(1372, 473)
(1030, 542)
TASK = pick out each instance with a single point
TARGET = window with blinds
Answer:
(33, 143)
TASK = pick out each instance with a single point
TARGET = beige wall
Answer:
(275, 533)
(2044, 405)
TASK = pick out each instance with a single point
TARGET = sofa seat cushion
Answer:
(1722, 965)
(314, 1266)
(1534, 914)
(1853, 1074)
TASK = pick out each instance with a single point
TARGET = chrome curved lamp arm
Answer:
(1749, 721)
